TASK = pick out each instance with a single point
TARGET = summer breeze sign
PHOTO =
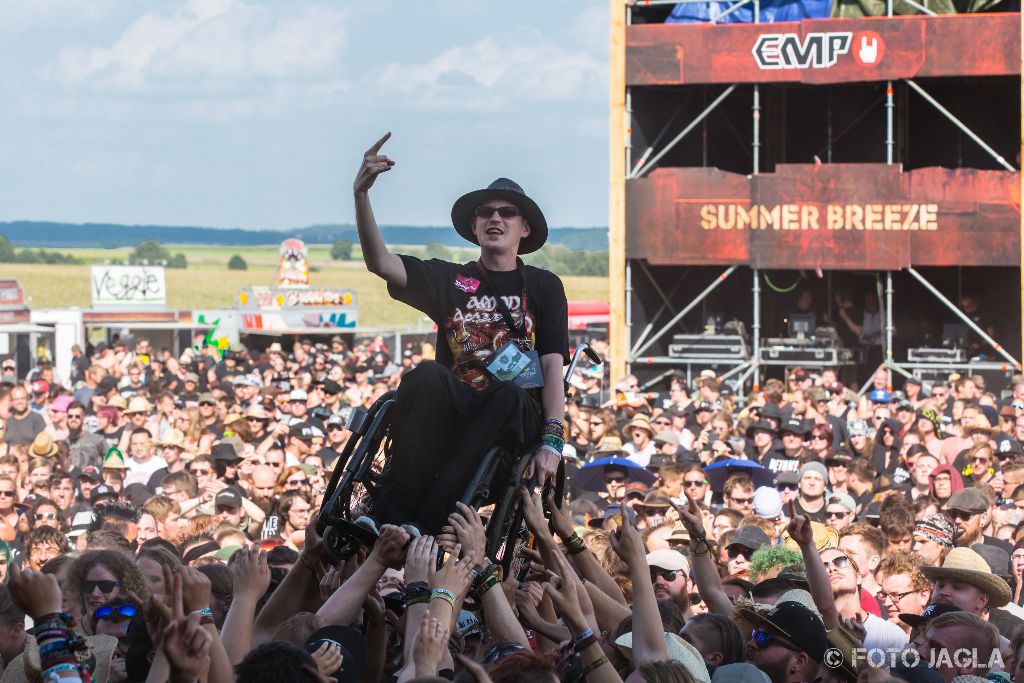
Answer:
(843, 216)
(128, 286)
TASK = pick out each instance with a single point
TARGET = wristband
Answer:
(443, 594)
(206, 620)
(574, 545)
(57, 668)
(413, 586)
(584, 636)
(206, 612)
(594, 665)
(550, 448)
(554, 421)
(54, 646)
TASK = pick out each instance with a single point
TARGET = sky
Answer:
(255, 114)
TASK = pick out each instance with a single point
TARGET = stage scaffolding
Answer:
(629, 344)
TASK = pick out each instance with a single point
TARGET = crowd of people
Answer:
(157, 519)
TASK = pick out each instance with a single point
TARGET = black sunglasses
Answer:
(503, 211)
(667, 574)
(105, 587)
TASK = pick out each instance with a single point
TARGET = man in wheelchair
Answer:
(502, 342)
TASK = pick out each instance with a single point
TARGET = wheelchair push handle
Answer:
(581, 349)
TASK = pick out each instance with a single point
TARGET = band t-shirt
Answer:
(470, 326)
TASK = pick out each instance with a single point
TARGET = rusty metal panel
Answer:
(824, 50)
(835, 216)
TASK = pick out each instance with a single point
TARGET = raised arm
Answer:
(817, 578)
(705, 573)
(378, 259)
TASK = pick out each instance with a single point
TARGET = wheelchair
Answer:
(363, 466)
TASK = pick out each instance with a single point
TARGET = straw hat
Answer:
(640, 421)
(678, 650)
(231, 418)
(173, 437)
(117, 401)
(609, 445)
(966, 566)
(43, 446)
(26, 667)
(113, 460)
(981, 424)
(138, 404)
(824, 537)
(257, 412)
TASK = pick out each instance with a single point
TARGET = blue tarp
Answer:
(771, 11)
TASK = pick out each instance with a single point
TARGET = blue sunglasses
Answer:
(107, 612)
(762, 639)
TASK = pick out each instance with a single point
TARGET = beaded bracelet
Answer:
(443, 594)
(594, 665)
(556, 442)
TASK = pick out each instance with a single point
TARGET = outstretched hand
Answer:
(374, 163)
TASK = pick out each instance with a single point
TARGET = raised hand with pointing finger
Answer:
(374, 163)
(799, 528)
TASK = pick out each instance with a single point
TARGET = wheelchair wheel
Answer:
(506, 532)
(358, 472)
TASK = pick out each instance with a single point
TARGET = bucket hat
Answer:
(966, 566)
(510, 191)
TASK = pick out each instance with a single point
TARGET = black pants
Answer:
(442, 429)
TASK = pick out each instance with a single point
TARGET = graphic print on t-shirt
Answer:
(475, 332)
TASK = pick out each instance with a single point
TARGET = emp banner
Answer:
(824, 50)
(850, 216)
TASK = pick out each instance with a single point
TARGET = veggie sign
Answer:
(128, 286)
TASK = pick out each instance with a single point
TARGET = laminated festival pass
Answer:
(511, 364)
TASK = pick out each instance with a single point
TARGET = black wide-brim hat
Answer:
(509, 190)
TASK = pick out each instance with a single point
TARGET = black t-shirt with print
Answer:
(457, 298)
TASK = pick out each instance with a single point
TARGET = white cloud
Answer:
(207, 47)
(498, 71)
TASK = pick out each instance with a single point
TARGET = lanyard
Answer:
(518, 331)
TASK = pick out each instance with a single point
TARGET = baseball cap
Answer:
(305, 431)
(353, 650)
(843, 499)
(229, 497)
(793, 425)
(92, 473)
(671, 560)
(101, 493)
(767, 502)
(81, 523)
(749, 537)
(936, 609)
(40, 386)
(207, 397)
(298, 395)
(879, 396)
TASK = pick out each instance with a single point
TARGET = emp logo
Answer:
(816, 50)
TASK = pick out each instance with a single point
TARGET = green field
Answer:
(207, 283)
